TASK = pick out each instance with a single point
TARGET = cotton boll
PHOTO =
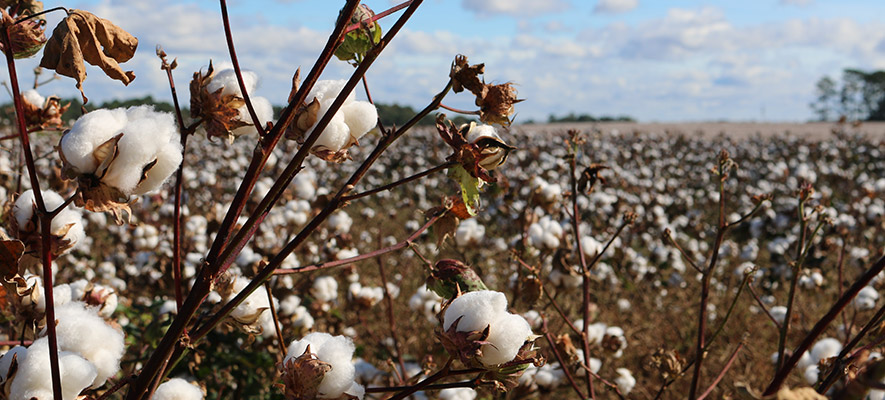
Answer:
(67, 225)
(469, 232)
(825, 348)
(426, 301)
(263, 110)
(33, 377)
(340, 222)
(19, 352)
(226, 79)
(90, 131)
(866, 299)
(33, 97)
(103, 346)
(476, 310)
(325, 288)
(360, 117)
(252, 306)
(329, 90)
(625, 380)
(507, 335)
(356, 390)
(337, 133)
(779, 313)
(162, 170)
(335, 350)
(591, 246)
(177, 389)
(811, 374)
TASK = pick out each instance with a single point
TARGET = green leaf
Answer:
(358, 42)
(469, 187)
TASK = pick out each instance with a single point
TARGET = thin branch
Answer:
(236, 63)
(276, 323)
(378, 16)
(399, 182)
(722, 373)
(559, 358)
(391, 320)
(763, 307)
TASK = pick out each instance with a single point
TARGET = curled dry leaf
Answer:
(45, 115)
(220, 113)
(26, 37)
(495, 101)
(83, 36)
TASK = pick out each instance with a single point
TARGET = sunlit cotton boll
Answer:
(335, 350)
(82, 331)
(177, 389)
(325, 288)
(226, 80)
(477, 310)
(149, 142)
(427, 302)
(350, 123)
(67, 225)
(254, 304)
(32, 381)
(457, 394)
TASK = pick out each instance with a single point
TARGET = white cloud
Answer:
(519, 8)
(799, 3)
(615, 6)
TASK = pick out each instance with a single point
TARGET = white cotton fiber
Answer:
(481, 131)
(226, 79)
(325, 288)
(148, 135)
(24, 211)
(337, 133)
(328, 90)
(177, 389)
(19, 352)
(24, 205)
(625, 380)
(825, 348)
(82, 331)
(476, 309)
(263, 110)
(335, 350)
(361, 117)
(33, 97)
(33, 379)
(90, 131)
(487, 308)
(507, 335)
(252, 305)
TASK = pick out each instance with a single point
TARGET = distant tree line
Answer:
(572, 117)
(859, 96)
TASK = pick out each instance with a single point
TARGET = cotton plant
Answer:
(469, 232)
(321, 366)
(427, 302)
(545, 234)
(346, 127)
(216, 100)
(114, 154)
(478, 329)
(625, 381)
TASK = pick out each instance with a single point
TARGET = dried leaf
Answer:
(303, 375)
(805, 393)
(105, 154)
(11, 251)
(83, 36)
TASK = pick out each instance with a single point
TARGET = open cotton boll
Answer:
(825, 348)
(779, 313)
(148, 136)
(82, 331)
(457, 394)
(337, 133)
(19, 352)
(263, 110)
(67, 225)
(226, 79)
(337, 351)
(469, 232)
(476, 310)
(33, 97)
(507, 335)
(254, 304)
(811, 373)
(360, 117)
(328, 90)
(866, 299)
(24, 205)
(177, 389)
(325, 288)
(33, 379)
(625, 380)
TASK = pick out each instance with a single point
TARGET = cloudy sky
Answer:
(678, 60)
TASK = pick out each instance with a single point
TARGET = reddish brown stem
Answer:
(585, 270)
(722, 373)
(179, 178)
(562, 363)
(276, 323)
(391, 320)
(45, 218)
(378, 16)
(399, 182)
(459, 111)
(233, 59)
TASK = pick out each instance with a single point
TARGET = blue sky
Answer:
(679, 60)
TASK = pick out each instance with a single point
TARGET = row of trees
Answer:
(859, 96)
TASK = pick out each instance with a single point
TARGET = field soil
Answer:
(735, 130)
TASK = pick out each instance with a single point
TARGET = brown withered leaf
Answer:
(305, 117)
(11, 252)
(465, 76)
(496, 103)
(444, 228)
(82, 36)
(805, 393)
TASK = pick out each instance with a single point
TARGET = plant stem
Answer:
(442, 373)
(205, 277)
(562, 362)
(722, 373)
(276, 323)
(179, 177)
(44, 216)
(822, 324)
(794, 280)
(233, 59)
(391, 321)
